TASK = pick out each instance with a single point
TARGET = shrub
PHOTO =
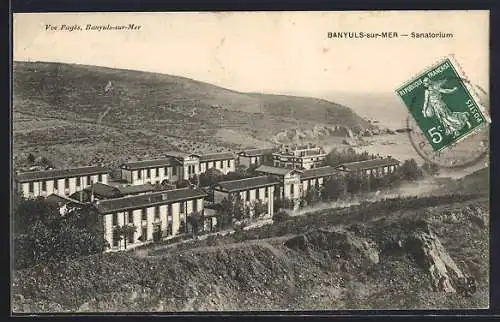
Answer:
(281, 216)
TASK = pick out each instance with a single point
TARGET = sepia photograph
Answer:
(250, 161)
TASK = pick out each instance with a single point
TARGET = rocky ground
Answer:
(431, 257)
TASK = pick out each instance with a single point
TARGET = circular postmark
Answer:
(469, 151)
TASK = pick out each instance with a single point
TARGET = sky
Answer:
(269, 52)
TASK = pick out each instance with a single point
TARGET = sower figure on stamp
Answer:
(434, 105)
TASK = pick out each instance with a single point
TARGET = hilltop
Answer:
(62, 111)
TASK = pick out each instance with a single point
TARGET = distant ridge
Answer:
(77, 114)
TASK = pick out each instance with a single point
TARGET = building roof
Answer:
(58, 199)
(149, 164)
(318, 172)
(148, 200)
(368, 164)
(131, 190)
(217, 156)
(60, 173)
(256, 152)
(103, 190)
(246, 184)
(180, 155)
(275, 170)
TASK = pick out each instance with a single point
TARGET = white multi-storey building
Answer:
(151, 171)
(163, 212)
(255, 157)
(299, 157)
(60, 181)
(295, 183)
(223, 162)
(250, 190)
(376, 167)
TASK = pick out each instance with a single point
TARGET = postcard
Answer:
(250, 161)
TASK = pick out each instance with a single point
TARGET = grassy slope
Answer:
(148, 106)
(264, 274)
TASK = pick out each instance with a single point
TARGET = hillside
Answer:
(476, 182)
(381, 256)
(63, 111)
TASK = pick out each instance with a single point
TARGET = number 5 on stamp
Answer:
(443, 104)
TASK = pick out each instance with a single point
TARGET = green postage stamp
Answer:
(443, 104)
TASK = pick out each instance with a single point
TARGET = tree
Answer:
(283, 203)
(354, 182)
(196, 220)
(238, 207)
(409, 170)
(312, 195)
(430, 168)
(30, 158)
(259, 208)
(42, 234)
(224, 214)
(182, 184)
(124, 232)
(334, 188)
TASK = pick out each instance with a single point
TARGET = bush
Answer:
(281, 216)
(42, 235)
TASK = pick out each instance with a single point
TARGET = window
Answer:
(148, 173)
(166, 171)
(292, 189)
(157, 212)
(139, 174)
(257, 192)
(156, 172)
(115, 219)
(99, 178)
(44, 185)
(130, 217)
(199, 167)
(248, 195)
(89, 181)
(144, 214)
(228, 163)
(169, 228)
(31, 187)
(66, 183)
(195, 205)
(182, 207)
(266, 192)
(169, 211)
(308, 184)
(78, 181)
(174, 171)
(220, 164)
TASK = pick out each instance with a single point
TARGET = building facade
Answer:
(61, 181)
(376, 167)
(299, 157)
(255, 157)
(250, 191)
(224, 162)
(289, 186)
(294, 184)
(164, 213)
(316, 177)
(151, 171)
